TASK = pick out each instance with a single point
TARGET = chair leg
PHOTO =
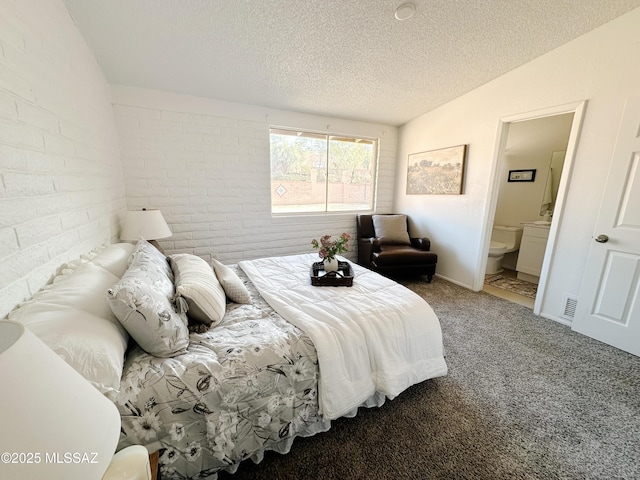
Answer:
(429, 277)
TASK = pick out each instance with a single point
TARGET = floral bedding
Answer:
(247, 385)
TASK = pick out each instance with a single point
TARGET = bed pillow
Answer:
(83, 289)
(391, 229)
(231, 283)
(114, 258)
(151, 254)
(72, 316)
(142, 302)
(198, 285)
(93, 346)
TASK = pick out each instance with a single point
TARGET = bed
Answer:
(281, 365)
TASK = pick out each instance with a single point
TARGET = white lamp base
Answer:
(131, 463)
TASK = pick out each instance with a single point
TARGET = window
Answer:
(314, 172)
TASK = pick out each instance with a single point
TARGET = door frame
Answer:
(578, 109)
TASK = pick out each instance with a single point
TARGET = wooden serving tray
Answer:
(342, 278)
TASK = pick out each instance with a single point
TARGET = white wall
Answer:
(61, 186)
(602, 67)
(205, 164)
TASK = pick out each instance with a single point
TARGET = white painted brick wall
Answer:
(61, 187)
(205, 165)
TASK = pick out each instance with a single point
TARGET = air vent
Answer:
(570, 304)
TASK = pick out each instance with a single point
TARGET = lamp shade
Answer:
(148, 224)
(53, 423)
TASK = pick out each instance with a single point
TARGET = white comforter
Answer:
(376, 336)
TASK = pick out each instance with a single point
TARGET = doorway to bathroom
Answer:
(506, 285)
(533, 163)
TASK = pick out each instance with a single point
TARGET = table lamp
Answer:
(148, 224)
(53, 423)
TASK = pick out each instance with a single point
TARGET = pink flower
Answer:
(328, 249)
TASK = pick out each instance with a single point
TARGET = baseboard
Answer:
(561, 320)
(460, 284)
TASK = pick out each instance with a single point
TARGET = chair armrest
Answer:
(375, 244)
(421, 243)
(364, 252)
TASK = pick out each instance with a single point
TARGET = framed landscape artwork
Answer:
(437, 172)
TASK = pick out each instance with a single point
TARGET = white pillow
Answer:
(391, 229)
(73, 318)
(114, 258)
(142, 302)
(198, 285)
(83, 289)
(231, 283)
(93, 346)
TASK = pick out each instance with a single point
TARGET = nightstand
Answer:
(153, 462)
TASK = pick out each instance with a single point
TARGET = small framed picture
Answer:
(522, 175)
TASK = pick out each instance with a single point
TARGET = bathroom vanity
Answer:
(532, 248)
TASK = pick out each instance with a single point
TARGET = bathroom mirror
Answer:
(552, 182)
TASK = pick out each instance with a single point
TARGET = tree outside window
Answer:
(312, 172)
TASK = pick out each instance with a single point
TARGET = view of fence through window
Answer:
(312, 172)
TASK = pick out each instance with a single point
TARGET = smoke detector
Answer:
(405, 11)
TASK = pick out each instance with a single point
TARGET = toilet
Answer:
(504, 239)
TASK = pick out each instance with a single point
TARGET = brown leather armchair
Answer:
(391, 251)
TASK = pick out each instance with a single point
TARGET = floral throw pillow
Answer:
(142, 302)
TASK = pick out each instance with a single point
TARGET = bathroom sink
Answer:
(541, 222)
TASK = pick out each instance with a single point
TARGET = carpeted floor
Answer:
(525, 398)
(511, 284)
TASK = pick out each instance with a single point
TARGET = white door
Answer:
(608, 307)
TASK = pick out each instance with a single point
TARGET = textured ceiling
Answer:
(349, 59)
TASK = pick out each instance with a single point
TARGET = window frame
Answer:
(327, 137)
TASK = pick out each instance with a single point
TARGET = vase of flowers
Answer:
(328, 249)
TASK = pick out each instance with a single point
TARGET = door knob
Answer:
(602, 239)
